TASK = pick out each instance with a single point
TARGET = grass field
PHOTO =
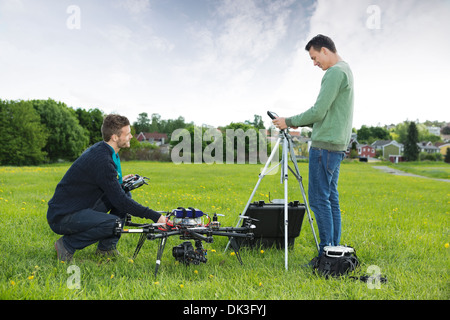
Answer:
(431, 169)
(398, 224)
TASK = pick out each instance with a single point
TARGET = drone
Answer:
(188, 223)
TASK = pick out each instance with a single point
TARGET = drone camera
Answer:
(186, 254)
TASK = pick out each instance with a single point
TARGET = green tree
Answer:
(249, 136)
(369, 135)
(67, 139)
(258, 122)
(142, 124)
(170, 125)
(155, 123)
(23, 135)
(445, 130)
(412, 151)
(92, 121)
(363, 133)
(400, 133)
(379, 133)
(241, 144)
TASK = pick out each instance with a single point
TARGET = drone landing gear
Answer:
(186, 254)
(139, 245)
(162, 245)
(235, 247)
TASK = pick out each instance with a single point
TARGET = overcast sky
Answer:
(220, 61)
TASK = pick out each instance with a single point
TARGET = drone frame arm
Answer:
(197, 236)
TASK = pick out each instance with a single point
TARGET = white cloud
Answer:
(400, 70)
(232, 47)
(220, 61)
(240, 36)
(135, 6)
(11, 6)
(251, 31)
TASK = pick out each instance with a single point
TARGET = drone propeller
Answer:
(249, 218)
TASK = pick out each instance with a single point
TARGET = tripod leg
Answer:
(286, 217)
(309, 215)
(302, 189)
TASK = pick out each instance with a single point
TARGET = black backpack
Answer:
(336, 261)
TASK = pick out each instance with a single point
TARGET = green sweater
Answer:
(332, 114)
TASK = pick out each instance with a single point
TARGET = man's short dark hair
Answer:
(113, 124)
(320, 41)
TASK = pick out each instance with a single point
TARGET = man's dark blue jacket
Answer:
(90, 177)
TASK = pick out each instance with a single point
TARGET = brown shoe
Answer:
(62, 252)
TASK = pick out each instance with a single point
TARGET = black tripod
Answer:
(288, 150)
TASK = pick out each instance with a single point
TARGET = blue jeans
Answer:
(323, 195)
(88, 226)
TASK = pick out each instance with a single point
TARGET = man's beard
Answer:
(123, 144)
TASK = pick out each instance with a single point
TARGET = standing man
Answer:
(331, 117)
(89, 189)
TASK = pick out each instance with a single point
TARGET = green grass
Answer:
(399, 224)
(431, 169)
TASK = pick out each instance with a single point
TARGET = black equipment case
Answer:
(270, 225)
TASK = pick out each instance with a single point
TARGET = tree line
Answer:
(42, 131)
(46, 131)
(154, 123)
(398, 133)
(409, 134)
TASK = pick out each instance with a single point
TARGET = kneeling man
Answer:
(91, 188)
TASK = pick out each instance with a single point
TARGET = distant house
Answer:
(366, 151)
(391, 149)
(443, 147)
(378, 145)
(434, 130)
(396, 158)
(155, 137)
(428, 147)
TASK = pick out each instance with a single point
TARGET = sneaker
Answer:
(108, 253)
(62, 252)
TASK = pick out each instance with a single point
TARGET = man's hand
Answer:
(127, 176)
(162, 219)
(280, 123)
